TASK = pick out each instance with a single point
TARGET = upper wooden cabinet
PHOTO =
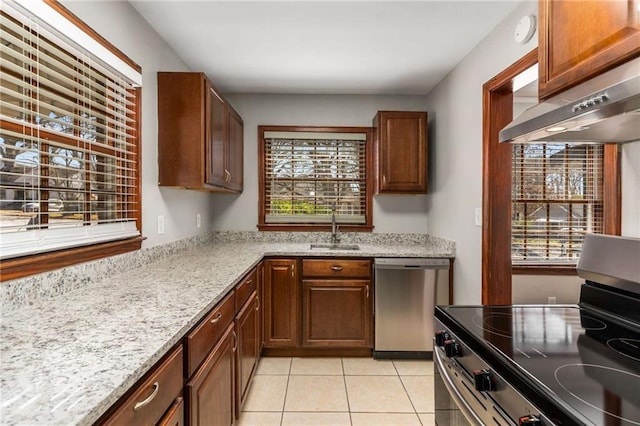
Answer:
(401, 152)
(581, 39)
(200, 136)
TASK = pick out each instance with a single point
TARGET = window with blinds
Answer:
(557, 197)
(68, 136)
(306, 172)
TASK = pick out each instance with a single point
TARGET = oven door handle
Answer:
(466, 410)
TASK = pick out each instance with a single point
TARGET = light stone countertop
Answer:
(67, 358)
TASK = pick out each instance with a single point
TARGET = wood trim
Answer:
(138, 139)
(297, 227)
(318, 352)
(29, 265)
(544, 270)
(612, 190)
(58, 7)
(302, 227)
(496, 178)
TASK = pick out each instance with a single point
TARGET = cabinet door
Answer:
(210, 392)
(337, 313)
(234, 151)
(175, 415)
(217, 139)
(581, 39)
(401, 152)
(281, 303)
(247, 327)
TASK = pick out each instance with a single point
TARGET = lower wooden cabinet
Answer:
(337, 313)
(248, 353)
(281, 303)
(211, 390)
(175, 415)
(153, 397)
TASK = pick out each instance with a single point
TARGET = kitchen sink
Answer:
(335, 246)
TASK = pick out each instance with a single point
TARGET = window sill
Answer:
(544, 270)
(30, 265)
(302, 227)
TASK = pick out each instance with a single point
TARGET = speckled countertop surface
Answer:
(66, 359)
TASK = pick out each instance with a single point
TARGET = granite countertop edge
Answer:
(115, 330)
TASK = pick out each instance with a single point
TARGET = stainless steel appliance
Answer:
(406, 291)
(603, 109)
(548, 364)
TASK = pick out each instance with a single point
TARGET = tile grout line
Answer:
(346, 390)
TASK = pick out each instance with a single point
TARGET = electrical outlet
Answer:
(198, 222)
(478, 216)
(160, 225)
(551, 300)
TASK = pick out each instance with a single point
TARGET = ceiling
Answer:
(324, 47)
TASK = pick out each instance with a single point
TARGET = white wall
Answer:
(391, 213)
(121, 24)
(456, 154)
(630, 163)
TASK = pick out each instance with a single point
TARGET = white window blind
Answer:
(306, 172)
(557, 197)
(68, 137)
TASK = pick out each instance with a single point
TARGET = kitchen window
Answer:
(307, 171)
(557, 198)
(69, 147)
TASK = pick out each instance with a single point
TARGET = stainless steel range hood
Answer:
(603, 109)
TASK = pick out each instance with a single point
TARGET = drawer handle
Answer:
(217, 318)
(139, 405)
(336, 268)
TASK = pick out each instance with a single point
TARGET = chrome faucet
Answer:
(335, 228)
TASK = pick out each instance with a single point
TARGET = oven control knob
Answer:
(441, 337)
(483, 380)
(452, 348)
(529, 420)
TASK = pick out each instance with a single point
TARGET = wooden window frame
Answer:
(496, 194)
(309, 227)
(19, 267)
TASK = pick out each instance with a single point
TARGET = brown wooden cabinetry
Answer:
(200, 136)
(248, 353)
(337, 303)
(401, 152)
(281, 303)
(210, 392)
(154, 396)
(581, 39)
(249, 335)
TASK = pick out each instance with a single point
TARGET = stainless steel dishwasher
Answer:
(406, 291)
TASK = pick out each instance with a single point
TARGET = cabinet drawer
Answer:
(244, 289)
(336, 268)
(201, 340)
(175, 415)
(151, 398)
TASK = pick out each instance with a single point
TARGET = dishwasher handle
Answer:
(410, 263)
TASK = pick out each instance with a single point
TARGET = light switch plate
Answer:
(160, 225)
(478, 216)
(198, 222)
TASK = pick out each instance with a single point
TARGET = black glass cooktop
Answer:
(586, 364)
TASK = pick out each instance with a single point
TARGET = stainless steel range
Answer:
(548, 364)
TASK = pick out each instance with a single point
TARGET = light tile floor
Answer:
(340, 391)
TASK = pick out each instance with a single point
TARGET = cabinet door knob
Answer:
(257, 303)
(139, 405)
(367, 291)
(235, 341)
